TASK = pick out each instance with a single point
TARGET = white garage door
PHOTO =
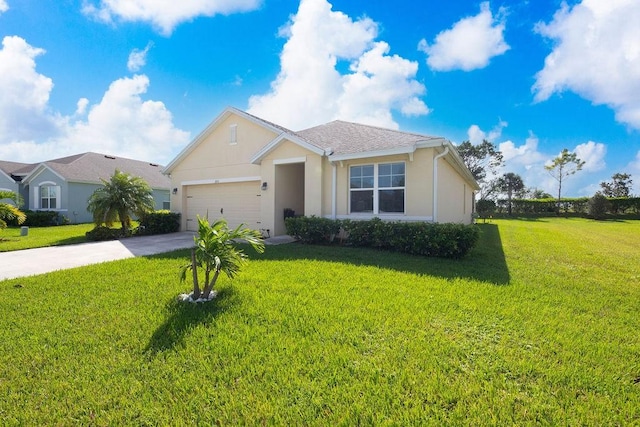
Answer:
(237, 202)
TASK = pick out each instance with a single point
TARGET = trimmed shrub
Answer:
(598, 206)
(42, 218)
(158, 222)
(485, 208)
(102, 233)
(312, 229)
(623, 205)
(417, 238)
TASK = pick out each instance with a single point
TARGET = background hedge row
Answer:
(578, 206)
(418, 238)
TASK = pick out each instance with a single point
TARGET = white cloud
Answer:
(24, 93)
(165, 15)
(138, 58)
(81, 106)
(525, 156)
(3, 6)
(122, 123)
(477, 135)
(634, 166)
(125, 124)
(592, 153)
(469, 44)
(596, 54)
(309, 88)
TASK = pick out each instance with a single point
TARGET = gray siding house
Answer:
(64, 185)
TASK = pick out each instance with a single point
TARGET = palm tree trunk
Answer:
(194, 269)
(209, 287)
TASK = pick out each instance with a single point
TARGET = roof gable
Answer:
(92, 167)
(276, 129)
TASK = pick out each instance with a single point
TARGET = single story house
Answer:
(64, 185)
(250, 171)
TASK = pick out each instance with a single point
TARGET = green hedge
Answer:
(577, 206)
(418, 238)
(102, 233)
(159, 222)
(42, 218)
(312, 229)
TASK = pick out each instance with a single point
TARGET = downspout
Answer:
(334, 189)
(435, 182)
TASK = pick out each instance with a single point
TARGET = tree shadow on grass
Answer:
(485, 263)
(182, 317)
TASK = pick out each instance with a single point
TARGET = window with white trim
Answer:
(377, 188)
(48, 197)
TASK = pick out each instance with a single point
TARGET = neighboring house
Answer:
(248, 170)
(64, 185)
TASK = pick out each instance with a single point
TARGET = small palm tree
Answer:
(120, 197)
(216, 251)
(9, 211)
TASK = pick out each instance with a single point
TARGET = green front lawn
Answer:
(37, 237)
(538, 326)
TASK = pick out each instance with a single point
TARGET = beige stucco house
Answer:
(248, 170)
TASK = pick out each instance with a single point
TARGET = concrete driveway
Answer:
(44, 260)
(29, 262)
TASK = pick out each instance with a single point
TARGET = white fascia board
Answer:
(8, 176)
(221, 180)
(257, 158)
(38, 170)
(456, 161)
(214, 124)
(431, 143)
(290, 160)
(368, 154)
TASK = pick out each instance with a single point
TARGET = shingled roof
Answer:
(91, 167)
(14, 169)
(352, 138)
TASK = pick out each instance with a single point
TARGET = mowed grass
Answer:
(37, 237)
(538, 326)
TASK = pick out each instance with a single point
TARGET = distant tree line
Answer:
(508, 195)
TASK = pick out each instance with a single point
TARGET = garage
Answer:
(237, 202)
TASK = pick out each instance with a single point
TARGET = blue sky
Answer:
(141, 78)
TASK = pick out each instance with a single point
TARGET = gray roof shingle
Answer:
(90, 167)
(351, 138)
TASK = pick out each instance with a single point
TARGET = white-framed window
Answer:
(377, 188)
(49, 196)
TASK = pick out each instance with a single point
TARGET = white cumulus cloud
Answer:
(122, 123)
(165, 15)
(310, 90)
(469, 44)
(24, 93)
(596, 54)
(138, 58)
(477, 135)
(592, 153)
(3, 6)
(525, 156)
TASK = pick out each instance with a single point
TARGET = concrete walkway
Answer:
(29, 262)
